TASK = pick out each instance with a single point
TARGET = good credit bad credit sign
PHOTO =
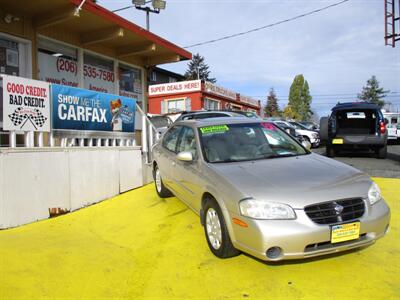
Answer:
(79, 109)
(26, 104)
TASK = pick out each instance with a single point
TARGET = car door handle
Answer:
(173, 163)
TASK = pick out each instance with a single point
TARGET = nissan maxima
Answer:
(259, 191)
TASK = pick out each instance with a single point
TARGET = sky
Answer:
(337, 50)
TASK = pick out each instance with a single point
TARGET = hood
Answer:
(298, 181)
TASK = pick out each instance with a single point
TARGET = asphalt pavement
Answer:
(367, 162)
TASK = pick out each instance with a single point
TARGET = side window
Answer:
(170, 138)
(188, 141)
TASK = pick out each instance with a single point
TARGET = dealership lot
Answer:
(138, 246)
(365, 161)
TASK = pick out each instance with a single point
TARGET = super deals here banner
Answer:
(79, 109)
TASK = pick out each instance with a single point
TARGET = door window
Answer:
(188, 142)
(171, 138)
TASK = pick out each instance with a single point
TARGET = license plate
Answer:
(337, 141)
(345, 232)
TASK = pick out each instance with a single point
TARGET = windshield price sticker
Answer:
(214, 129)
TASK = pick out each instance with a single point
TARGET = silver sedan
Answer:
(259, 191)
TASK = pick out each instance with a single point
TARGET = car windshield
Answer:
(243, 142)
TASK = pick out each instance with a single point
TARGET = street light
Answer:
(157, 6)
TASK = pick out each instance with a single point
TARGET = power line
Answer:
(267, 26)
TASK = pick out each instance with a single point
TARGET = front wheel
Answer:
(217, 235)
(162, 191)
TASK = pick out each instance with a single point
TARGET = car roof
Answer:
(218, 121)
(355, 105)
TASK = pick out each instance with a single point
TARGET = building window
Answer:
(173, 106)
(153, 76)
(98, 74)
(172, 79)
(58, 63)
(210, 104)
(130, 82)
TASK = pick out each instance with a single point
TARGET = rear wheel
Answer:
(381, 152)
(330, 151)
(217, 235)
(162, 191)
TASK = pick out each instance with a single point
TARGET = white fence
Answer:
(33, 182)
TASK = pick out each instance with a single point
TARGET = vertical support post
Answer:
(148, 19)
(81, 142)
(29, 139)
(144, 134)
(90, 142)
(39, 139)
(12, 139)
(150, 137)
(98, 142)
(106, 142)
(51, 139)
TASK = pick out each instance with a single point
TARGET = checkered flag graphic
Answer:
(38, 118)
(17, 117)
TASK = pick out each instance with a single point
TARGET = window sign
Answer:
(98, 74)
(130, 83)
(9, 57)
(57, 63)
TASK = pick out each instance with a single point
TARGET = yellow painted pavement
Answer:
(137, 246)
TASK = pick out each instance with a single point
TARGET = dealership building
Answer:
(197, 95)
(73, 98)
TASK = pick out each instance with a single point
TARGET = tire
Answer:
(215, 230)
(330, 151)
(161, 190)
(381, 152)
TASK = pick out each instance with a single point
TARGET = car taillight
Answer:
(382, 127)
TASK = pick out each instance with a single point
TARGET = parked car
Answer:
(393, 125)
(292, 131)
(206, 114)
(160, 122)
(310, 125)
(352, 126)
(311, 136)
(259, 191)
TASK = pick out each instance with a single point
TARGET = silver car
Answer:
(259, 191)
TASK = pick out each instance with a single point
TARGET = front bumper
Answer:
(302, 238)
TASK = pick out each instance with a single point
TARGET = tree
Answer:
(373, 93)
(300, 98)
(290, 113)
(198, 69)
(271, 109)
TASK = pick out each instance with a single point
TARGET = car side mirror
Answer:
(185, 156)
(306, 144)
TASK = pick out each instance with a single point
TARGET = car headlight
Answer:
(266, 210)
(374, 194)
(315, 135)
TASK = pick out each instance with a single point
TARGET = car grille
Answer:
(336, 211)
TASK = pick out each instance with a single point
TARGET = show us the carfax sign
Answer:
(26, 104)
(79, 109)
